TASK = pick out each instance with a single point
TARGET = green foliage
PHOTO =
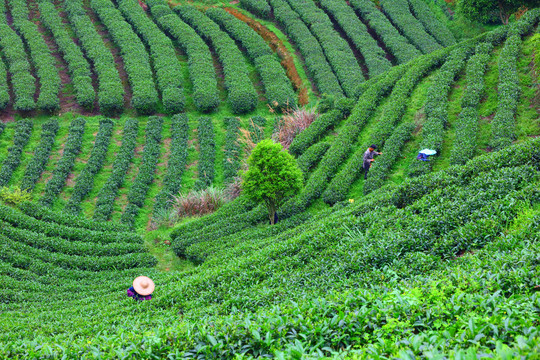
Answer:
(23, 131)
(272, 176)
(315, 131)
(147, 171)
(41, 155)
(85, 181)
(110, 88)
(107, 194)
(261, 8)
(176, 164)
(79, 68)
(433, 25)
(136, 59)
(241, 92)
(390, 36)
(311, 50)
(436, 107)
(231, 162)
(398, 11)
(207, 150)
(201, 69)
(23, 83)
(467, 126)
(278, 87)
(311, 157)
(374, 56)
(4, 89)
(166, 65)
(337, 50)
(488, 11)
(13, 195)
(64, 166)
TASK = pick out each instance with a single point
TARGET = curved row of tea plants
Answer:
(309, 47)
(145, 176)
(201, 69)
(85, 182)
(40, 56)
(398, 11)
(134, 55)
(110, 88)
(373, 55)
(278, 88)
(336, 49)
(433, 25)
(22, 134)
(78, 66)
(207, 149)
(166, 65)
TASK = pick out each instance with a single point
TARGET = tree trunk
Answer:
(505, 16)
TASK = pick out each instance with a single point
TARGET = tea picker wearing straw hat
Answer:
(142, 288)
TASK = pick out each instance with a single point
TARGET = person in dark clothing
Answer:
(142, 288)
(368, 158)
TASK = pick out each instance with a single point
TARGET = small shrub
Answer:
(199, 202)
(13, 195)
(292, 123)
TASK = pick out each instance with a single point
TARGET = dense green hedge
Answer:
(40, 56)
(147, 171)
(401, 81)
(315, 60)
(166, 65)
(391, 153)
(79, 68)
(85, 182)
(231, 162)
(315, 131)
(278, 88)
(32, 209)
(110, 88)
(436, 107)
(4, 88)
(200, 64)
(464, 144)
(337, 50)
(207, 153)
(107, 194)
(23, 130)
(398, 11)
(136, 59)
(390, 36)
(260, 8)
(65, 231)
(22, 81)
(35, 167)
(373, 56)
(63, 168)
(176, 164)
(241, 92)
(431, 23)
(311, 157)
(68, 247)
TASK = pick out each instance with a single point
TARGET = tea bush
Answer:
(110, 89)
(431, 23)
(85, 182)
(241, 92)
(316, 62)
(260, 8)
(374, 56)
(231, 162)
(37, 164)
(147, 171)
(136, 59)
(390, 36)
(107, 194)
(177, 162)
(23, 131)
(207, 151)
(65, 164)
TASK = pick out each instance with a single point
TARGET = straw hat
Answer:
(143, 285)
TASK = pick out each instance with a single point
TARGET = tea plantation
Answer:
(109, 109)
